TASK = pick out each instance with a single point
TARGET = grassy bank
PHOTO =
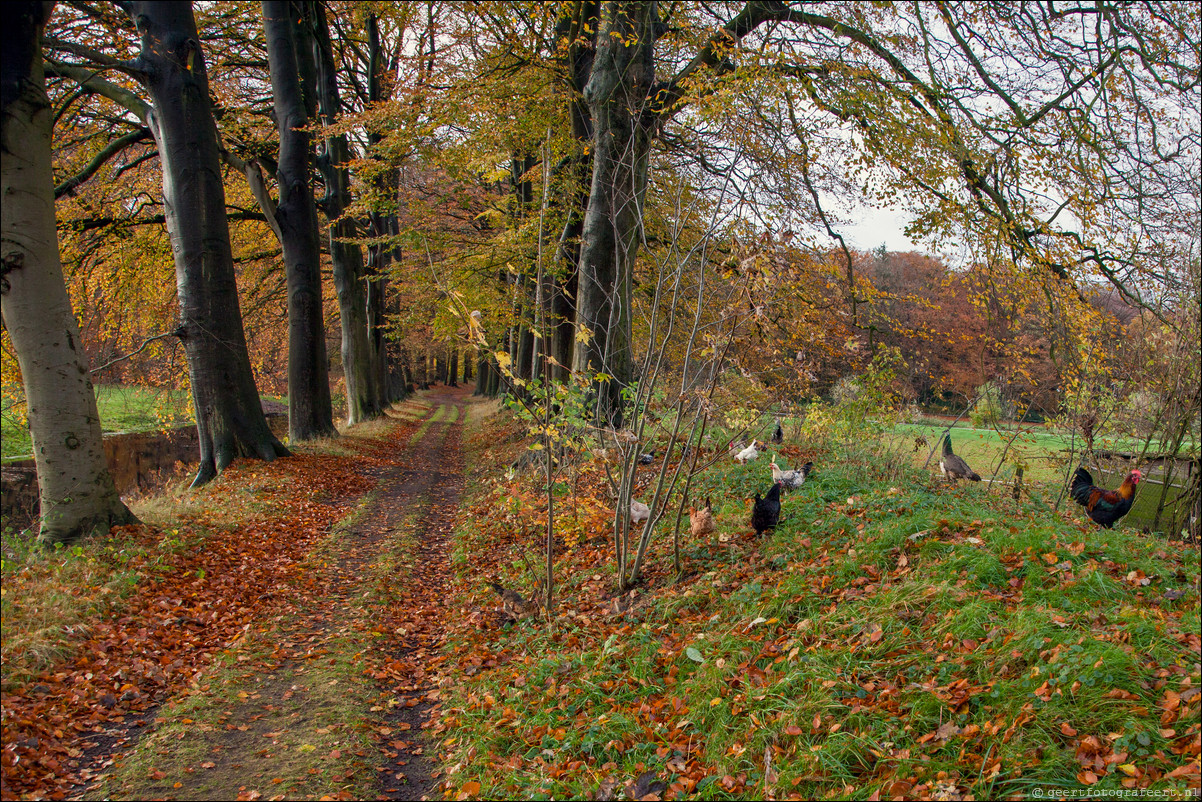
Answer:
(892, 638)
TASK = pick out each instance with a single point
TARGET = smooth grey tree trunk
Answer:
(310, 413)
(422, 379)
(362, 396)
(383, 225)
(229, 415)
(405, 365)
(524, 285)
(76, 492)
(483, 368)
(617, 93)
(627, 110)
(576, 32)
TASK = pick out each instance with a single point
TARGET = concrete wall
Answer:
(138, 461)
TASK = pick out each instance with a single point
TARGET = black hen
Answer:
(778, 436)
(766, 513)
(953, 466)
(647, 459)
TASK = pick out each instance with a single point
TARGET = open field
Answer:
(122, 409)
(1045, 455)
(893, 636)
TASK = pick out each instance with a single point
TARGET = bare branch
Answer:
(97, 59)
(258, 187)
(136, 351)
(90, 80)
(109, 151)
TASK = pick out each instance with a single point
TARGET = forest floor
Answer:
(346, 578)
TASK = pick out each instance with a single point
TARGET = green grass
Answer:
(257, 717)
(285, 730)
(122, 409)
(1044, 454)
(49, 596)
(1041, 450)
(891, 634)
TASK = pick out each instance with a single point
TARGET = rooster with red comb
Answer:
(1105, 507)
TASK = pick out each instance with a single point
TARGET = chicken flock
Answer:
(1104, 507)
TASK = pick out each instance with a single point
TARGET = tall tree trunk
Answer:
(76, 492)
(482, 371)
(467, 367)
(495, 385)
(488, 385)
(383, 225)
(229, 416)
(444, 376)
(362, 396)
(522, 338)
(397, 389)
(405, 365)
(524, 342)
(577, 33)
(310, 413)
(377, 285)
(617, 94)
(454, 368)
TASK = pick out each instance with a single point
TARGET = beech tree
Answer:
(76, 492)
(171, 69)
(309, 409)
(363, 399)
(996, 138)
(629, 109)
(576, 35)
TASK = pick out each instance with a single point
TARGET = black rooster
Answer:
(766, 513)
(1105, 507)
(778, 436)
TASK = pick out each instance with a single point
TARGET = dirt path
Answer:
(431, 482)
(371, 617)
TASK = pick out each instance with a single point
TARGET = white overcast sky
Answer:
(872, 227)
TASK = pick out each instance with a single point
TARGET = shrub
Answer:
(991, 408)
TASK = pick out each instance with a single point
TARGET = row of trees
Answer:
(559, 182)
(163, 91)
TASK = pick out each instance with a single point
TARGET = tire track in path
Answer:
(417, 504)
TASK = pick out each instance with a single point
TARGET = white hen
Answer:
(747, 454)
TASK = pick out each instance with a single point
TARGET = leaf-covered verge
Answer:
(194, 610)
(892, 639)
